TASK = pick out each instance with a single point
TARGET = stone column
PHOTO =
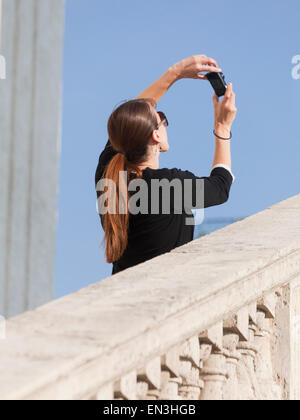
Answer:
(231, 387)
(213, 371)
(30, 120)
(2, 59)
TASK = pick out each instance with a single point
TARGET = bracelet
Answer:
(223, 138)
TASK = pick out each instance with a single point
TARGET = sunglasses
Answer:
(163, 119)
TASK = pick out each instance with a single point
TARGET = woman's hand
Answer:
(225, 111)
(189, 68)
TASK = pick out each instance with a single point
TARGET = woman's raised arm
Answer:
(160, 86)
(189, 68)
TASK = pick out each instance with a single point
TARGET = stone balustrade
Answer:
(215, 319)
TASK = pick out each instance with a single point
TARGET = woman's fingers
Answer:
(203, 59)
(210, 61)
(232, 98)
(228, 94)
(229, 99)
(225, 111)
(207, 69)
(210, 68)
(192, 67)
(215, 99)
(228, 91)
(210, 64)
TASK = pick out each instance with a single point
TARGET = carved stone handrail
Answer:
(217, 318)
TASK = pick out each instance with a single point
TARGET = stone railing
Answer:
(217, 318)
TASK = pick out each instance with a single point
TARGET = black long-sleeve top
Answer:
(150, 235)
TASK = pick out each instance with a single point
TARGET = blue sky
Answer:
(115, 49)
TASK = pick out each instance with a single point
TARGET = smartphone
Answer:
(217, 80)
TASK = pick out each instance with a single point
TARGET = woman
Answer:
(137, 136)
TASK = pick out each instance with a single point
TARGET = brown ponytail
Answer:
(129, 127)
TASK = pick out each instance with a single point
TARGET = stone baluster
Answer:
(231, 361)
(264, 339)
(149, 380)
(230, 342)
(235, 328)
(125, 387)
(142, 388)
(213, 366)
(238, 325)
(170, 375)
(213, 375)
(191, 385)
(249, 351)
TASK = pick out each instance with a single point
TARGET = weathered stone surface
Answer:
(170, 361)
(213, 335)
(151, 373)
(68, 348)
(106, 392)
(126, 386)
(30, 115)
(268, 304)
(239, 323)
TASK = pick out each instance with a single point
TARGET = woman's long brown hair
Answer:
(129, 127)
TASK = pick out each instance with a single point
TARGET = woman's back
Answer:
(167, 221)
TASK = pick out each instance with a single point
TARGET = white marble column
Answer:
(30, 121)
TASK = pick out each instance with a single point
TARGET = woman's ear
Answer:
(156, 136)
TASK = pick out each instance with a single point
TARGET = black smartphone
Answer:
(217, 80)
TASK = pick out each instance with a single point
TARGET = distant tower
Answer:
(30, 127)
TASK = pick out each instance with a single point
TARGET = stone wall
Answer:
(217, 318)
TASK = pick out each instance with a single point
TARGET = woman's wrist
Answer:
(175, 72)
(222, 130)
(160, 86)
